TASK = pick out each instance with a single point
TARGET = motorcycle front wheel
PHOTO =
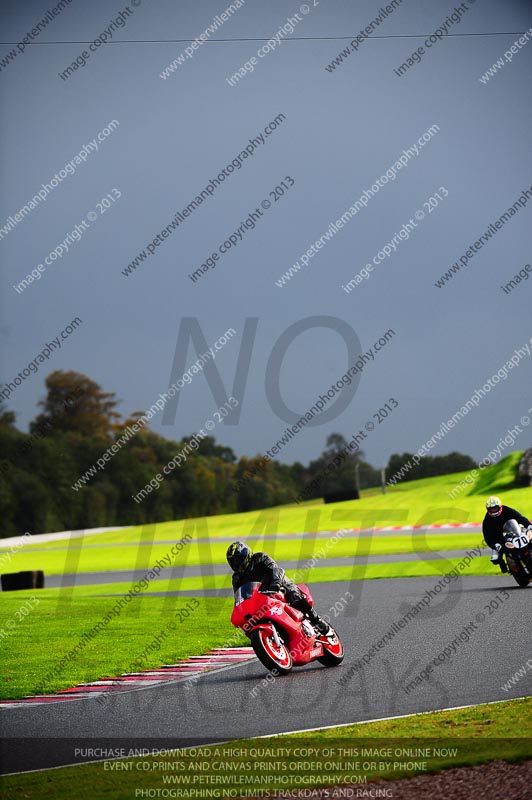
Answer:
(275, 658)
(521, 577)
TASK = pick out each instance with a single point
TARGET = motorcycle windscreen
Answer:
(514, 535)
(245, 592)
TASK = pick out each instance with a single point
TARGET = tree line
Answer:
(78, 421)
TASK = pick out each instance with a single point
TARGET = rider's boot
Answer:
(321, 626)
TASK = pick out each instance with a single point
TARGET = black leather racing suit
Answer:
(493, 533)
(492, 526)
(272, 578)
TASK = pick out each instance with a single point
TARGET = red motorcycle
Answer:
(281, 636)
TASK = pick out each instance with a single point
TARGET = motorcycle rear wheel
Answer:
(521, 578)
(528, 563)
(527, 560)
(276, 659)
(333, 652)
(518, 572)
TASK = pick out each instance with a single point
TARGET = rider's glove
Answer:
(271, 589)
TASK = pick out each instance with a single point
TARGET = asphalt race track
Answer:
(121, 576)
(266, 542)
(220, 707)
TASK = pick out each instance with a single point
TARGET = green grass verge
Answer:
(505, 720)
(478, 735)
(397, 569)
(419, 502)
(94, 559)
(51, 631)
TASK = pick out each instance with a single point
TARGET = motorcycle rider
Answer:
(492, 527)
(248, 566)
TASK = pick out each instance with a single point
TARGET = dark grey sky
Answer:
(342, 129)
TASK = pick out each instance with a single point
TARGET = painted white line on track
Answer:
(38, 538)
(386, 719)
(276, 735)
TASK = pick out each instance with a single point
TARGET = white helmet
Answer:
(494, 506)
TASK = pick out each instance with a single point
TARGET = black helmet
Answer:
(238, 556)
